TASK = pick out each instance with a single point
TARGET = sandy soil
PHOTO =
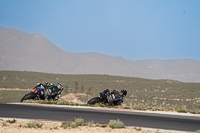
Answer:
(53, 127)
(15, 89)
(73, 97)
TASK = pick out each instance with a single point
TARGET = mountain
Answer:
(33, 52)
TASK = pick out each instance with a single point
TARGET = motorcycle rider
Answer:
(105, 94)
(50, 91)
(124, 92)
(47, 84)
(41, 89)
(115, 96)
(54, 91)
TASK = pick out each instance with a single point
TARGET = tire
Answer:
(94, 100)
(29, 96)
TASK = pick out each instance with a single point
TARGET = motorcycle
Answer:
(40, 93)
(115, 98)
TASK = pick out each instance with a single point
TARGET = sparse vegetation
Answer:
(48, 102)
(79, 121)
(4, 124)
(20, 125)
(34, 125)
(12, 121)
(198, 131)
(116, 124)
(97, 124)
(138, 107)
(73, 125)
(181, 111)
(41, 102)
(126, 108)
(90, 123)
(76, 104)
(63, 127)
(63, 102)
(55, 128)
(66, 124)
(103, 125)
(101, 105)
(197, 111)
(144, 93)
(85, 104)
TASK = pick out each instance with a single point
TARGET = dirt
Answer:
(73, 97)
(14, 89)
(52, 127)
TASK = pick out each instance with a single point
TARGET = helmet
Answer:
(106, 91)
(60, 86)
(47, 83)
(124, 92)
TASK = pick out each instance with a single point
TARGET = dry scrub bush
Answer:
(116, 124)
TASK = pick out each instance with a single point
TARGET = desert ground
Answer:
(22, 126)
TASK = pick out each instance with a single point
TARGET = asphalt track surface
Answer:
(102, 116)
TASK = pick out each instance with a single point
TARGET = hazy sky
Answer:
(133, 29)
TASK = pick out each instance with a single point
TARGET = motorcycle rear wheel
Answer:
(29, 96)
(94, 100)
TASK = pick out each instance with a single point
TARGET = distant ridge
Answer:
(33, 52)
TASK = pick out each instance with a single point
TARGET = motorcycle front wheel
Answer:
(94, 100)
(29, 96)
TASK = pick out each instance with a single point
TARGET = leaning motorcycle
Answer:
(103, 98)
(39, 93)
